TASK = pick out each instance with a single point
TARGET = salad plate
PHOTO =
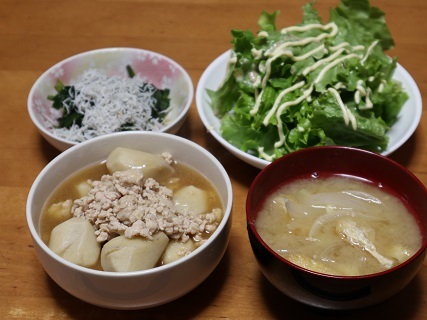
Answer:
(212, 78)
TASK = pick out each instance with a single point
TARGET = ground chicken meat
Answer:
(168, 158)
(125, 203)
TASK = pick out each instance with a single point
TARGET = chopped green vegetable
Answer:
(312, 84)
(159, 110)
(70, 115)
(130, 71)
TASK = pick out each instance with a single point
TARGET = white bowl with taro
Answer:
(114, 227)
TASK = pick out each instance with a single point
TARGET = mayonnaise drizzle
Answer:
(348, 116)
(307, 27)
(381, 86)
(279, 98)
(279, 51)
(256, 53)
(263, 34)
(333, 64)
(368, 52)
(304, 95)
(346, 44)
(339, 53)
(320, 62)
(304, 56)
(264, 155)
(363, 92)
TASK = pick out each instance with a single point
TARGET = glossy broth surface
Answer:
(338, 225)
(184, 175)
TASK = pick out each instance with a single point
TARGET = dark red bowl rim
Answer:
(251, 223)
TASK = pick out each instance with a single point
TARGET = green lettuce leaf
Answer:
(267, 63)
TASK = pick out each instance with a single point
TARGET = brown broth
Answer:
(184, 176)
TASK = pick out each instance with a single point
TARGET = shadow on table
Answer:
(405, 153)
(401, 306)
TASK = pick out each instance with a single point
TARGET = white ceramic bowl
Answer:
(141, 289)
(152, 67)
(408, 119)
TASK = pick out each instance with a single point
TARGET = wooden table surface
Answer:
(36, 34)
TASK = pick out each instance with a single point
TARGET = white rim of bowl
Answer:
(261, 163)
(102, 50)
(200, 95)
(36, 237)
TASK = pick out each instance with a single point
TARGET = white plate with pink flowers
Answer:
(148, 66)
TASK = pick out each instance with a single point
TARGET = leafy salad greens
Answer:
(312, 84)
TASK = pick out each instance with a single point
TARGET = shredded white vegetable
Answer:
(334, 214)
(356, 237)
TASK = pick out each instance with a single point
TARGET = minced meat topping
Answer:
(126, 203)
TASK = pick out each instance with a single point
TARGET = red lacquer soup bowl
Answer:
(325, 291)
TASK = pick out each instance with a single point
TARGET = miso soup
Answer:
(338, 225)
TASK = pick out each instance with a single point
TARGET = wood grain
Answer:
(36, 34)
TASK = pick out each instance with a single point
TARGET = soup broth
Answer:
(338, 225)
(183, 176)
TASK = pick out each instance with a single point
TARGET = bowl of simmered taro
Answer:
(337, 228)
(109, 90)
(131, 220)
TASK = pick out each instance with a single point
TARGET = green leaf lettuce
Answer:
(312, 84)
